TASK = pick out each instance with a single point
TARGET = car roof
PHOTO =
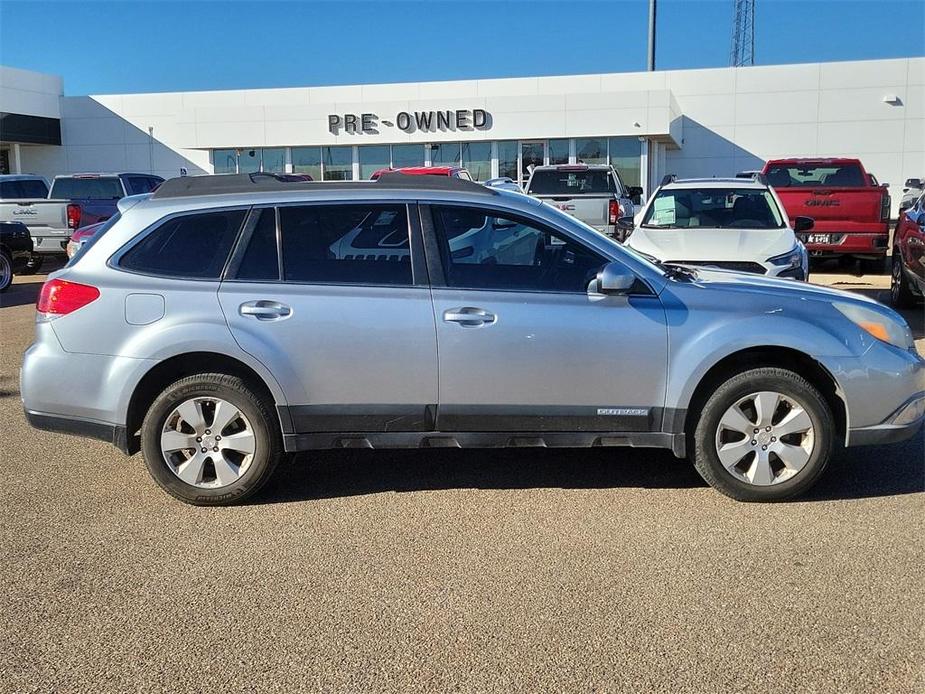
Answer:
(572, 167)
(835, 161)
(689, 183)
(105, 174)
(21, 177)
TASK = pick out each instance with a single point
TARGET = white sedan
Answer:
(731, 224)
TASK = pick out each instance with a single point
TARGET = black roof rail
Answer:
(668, 178)
(227, 184)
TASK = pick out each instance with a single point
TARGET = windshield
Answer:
(713, 208)
(809, 175)
(87, 188)
(565, 182)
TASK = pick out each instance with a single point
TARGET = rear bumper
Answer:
(50, 244)
(868, 244)
(88, 428)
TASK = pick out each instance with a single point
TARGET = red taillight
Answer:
(614, 212)
(59, 297)
(73, 215)
(885, 208)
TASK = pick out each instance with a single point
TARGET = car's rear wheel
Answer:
(766, 434)
(6, 270)
(901, 295)
(210, 440)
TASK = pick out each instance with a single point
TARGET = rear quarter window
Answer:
(87, 188)
(190, 246)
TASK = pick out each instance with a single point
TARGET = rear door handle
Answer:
(469, 317)
(265, 310)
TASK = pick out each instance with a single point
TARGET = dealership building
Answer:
(711, 122)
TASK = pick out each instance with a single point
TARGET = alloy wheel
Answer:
(208, 442)
(765, 438)
(6, 270)
(896, 279)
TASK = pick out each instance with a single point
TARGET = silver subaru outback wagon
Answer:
(222, 322)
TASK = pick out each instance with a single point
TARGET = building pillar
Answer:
(15, 158)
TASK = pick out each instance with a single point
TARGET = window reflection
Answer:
(407, 155)
(507, 159)
(476, 157)
(274, 160)
(625, 153)
(307, 160)
(249, 161)
(558, 151)
(225, 161)
(338, 163)
(444, 154)
(372, 158)
(591, 150)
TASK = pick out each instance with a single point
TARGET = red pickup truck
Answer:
(850, 208)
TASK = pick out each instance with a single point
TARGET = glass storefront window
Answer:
(407, 155)
(476, 157)
(225, 161)
(625, 153)
(507, 159)
(274, 160)
(307, 160)
(558, 151)
(591, 150)
(372, 158)
(338, 163)
(444, 154)
(248, 160)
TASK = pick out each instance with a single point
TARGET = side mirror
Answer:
(634, 193)
(613, 278)
(626, 222)
(803, 224)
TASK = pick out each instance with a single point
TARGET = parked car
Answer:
(24, 198)
(907, 284)
(851, 210)
(212, 328)
(448, 171)
(97, 194)
(727, 223)
(15, 251)
(912, 189)
(595, 194)
(81, 236)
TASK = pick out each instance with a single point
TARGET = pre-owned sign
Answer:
(425, 121)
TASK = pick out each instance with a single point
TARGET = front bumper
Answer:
(901, 426)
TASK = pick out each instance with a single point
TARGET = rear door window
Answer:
(346, 244)
(192, 246)
(571, 182)
(816, 175)
(108, 188)
(23, 190)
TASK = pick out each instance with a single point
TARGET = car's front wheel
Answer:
(6, 270)
(210, 440)
(766, 434)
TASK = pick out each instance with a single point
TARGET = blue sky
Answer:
(135, 46)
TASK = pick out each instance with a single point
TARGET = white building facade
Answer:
(712, 122)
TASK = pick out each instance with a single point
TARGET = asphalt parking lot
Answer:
(448, 570)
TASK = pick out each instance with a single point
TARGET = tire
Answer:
(255, 427)
(6, 270)
(33, 266)
(784, 481)
(901, 295)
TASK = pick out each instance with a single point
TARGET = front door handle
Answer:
(265, 310)
(469, 317)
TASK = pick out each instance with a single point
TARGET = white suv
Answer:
(725, 223)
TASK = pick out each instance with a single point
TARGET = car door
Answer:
(523, 346)
(335, 305)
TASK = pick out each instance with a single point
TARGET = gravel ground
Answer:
(452, 570)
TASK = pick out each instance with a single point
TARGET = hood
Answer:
(728, 281)
(712, 244)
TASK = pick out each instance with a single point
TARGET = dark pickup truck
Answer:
(97, 194)
(15, 250)
(851, 210)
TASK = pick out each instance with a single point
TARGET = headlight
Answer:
(882, 327)
(792, 258)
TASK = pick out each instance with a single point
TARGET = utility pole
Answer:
(743, 34)
(651, 63)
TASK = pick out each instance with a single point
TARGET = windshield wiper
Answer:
(676, 271)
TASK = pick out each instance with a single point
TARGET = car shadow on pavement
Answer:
(855, 473)
(331, 474)
(21, 293)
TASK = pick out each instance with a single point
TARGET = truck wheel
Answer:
(766, 434)
(210, 440)
(33, 265)
(6, 270)
(901, 295)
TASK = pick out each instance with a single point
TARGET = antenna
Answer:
(743, 34)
